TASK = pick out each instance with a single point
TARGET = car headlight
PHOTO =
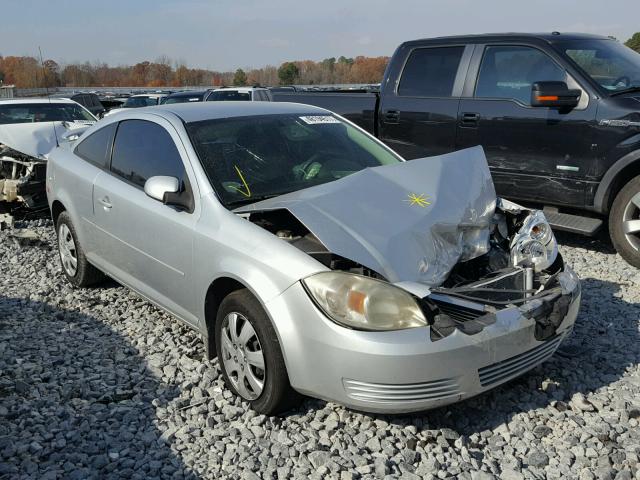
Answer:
(534, 245)
(364, 303)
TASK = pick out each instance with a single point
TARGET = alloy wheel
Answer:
(242, 356)
(68, 252)
(631, 221)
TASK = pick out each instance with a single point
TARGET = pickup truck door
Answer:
(538, 154)
(418, 111)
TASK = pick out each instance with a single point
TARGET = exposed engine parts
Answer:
(22, 178)
(521, 265)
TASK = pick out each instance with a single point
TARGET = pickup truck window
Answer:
(614, 66)
(430, 72)
(509, 71)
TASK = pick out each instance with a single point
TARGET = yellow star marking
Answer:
(421, 200)
(247, 191)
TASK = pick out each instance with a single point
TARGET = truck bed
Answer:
(360, 108)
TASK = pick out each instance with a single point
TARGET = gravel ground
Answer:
(98, 383)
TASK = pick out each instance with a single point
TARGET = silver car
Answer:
(312, 258)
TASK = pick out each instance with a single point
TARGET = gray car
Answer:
(312, 258)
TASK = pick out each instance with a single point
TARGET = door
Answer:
(539, 154)
(144, 243)
(418, 114)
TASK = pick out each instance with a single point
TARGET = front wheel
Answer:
(250, 356)
(75, 266)
(624, 222)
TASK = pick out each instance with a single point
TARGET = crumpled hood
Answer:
(411, 221)
(38, 139)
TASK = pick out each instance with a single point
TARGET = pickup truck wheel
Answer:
(624, 222)
(75, 266)
(249, 354)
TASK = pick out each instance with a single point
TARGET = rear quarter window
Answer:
(96, 147)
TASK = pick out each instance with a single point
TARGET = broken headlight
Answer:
(363, 303)
(534, 245)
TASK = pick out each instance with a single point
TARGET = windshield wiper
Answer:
(635, 88)
(252, 199)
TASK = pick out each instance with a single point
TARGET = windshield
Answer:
(182, 99)
(229, 95)
(611, 64)
(136, 102)
(43, 112)
(251, 158)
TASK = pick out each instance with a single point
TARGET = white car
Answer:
(29, 129)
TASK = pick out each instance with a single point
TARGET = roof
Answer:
(14, 101)
(195, 112)
(149, 95)
(240, 89)
(484, 37)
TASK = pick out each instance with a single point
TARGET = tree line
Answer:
(29, 72)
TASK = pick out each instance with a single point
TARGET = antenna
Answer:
(44, 78)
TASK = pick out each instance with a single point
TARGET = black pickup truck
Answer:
(558, 116)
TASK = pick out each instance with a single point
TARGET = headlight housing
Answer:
(363, 303)
(534, 245)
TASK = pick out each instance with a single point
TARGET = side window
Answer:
(509, 71)
(430, 72)
(142, 150)
(96, 147)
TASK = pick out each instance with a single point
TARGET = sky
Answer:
(229, 34)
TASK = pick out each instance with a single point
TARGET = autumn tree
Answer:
(634, 42)
(240, 78)
(288, 73)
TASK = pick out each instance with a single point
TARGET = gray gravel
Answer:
(98, 383)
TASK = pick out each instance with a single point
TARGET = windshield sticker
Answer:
(246, 191)
(318, 119)
(421, 200)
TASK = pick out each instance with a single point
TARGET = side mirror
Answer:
(158, 187)
(167, 190)
(554, 94)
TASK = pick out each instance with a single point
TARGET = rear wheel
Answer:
(250, 356)
(624, 222)
(75, 266)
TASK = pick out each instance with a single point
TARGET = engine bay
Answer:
(22, 179)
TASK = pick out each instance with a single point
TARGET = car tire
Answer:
(624, 222)
(245, 340)
(78, 271)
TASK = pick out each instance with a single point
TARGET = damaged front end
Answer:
(22, 178)
(432, 229)
(23, 156)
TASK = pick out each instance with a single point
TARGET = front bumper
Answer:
(404, 370)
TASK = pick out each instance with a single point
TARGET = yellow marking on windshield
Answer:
(247, 191)
(421, 200)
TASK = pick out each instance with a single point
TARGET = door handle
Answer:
(105, 203)
(469, 119)
(392, 116)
